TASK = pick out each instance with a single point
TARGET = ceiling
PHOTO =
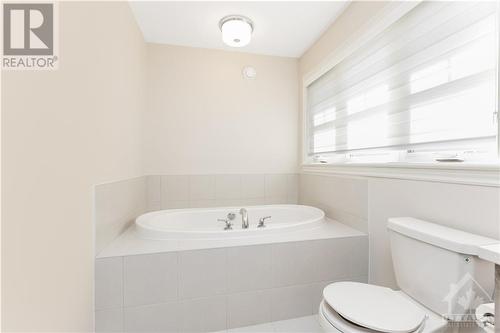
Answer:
(281, 28)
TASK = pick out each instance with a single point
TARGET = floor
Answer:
(307, 324)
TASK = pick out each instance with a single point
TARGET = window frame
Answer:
(386, 17)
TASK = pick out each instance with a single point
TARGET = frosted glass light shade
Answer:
(236, 31)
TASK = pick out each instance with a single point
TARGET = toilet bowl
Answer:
(434, 266)
(372, 308)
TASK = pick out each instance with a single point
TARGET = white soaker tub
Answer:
(202, 223)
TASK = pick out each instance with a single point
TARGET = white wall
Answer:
(203, 117)
(62, 132)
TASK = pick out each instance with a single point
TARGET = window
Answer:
(428, 83)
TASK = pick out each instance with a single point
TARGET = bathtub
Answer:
(202, 223)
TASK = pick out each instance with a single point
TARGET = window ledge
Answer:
(455, 173)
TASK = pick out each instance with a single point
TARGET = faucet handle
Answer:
(262, 221)
(229, 224)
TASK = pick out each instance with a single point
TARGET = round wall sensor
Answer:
(249, 72)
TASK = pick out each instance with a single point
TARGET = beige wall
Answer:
(62, 132)
(365, 203)
(203, 117)
(65, 131)
(88, 122)
(352, 21)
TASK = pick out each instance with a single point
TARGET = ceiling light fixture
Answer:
(236, 30)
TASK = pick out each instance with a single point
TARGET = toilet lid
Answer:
(377, 308)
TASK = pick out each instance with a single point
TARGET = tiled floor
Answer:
(307, 324)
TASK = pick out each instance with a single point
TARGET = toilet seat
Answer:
(374, 307)
(332, 319)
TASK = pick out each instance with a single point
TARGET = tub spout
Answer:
(244, 218)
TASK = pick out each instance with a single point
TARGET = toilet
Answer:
(435, 267)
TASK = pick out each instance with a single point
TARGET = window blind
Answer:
(430, 78)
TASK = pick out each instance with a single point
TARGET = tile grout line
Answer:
(178, 282)
(161, 192)
(354, 277)
(123, 294)
(368, 214)
(227, 281)
(226, 297)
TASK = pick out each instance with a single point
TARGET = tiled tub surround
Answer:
(219, 288)
(341, 198)
(117, 204)
(198, 191)
(130, 242)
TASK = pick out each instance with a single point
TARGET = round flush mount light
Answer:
(236, 30)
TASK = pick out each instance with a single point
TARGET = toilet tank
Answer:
(439, 267)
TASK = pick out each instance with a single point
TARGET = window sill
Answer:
(455, 173)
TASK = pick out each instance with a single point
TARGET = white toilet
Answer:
(434, 267)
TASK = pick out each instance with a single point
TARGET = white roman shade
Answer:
(430, 78)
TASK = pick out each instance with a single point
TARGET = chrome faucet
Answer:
(244, 218)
